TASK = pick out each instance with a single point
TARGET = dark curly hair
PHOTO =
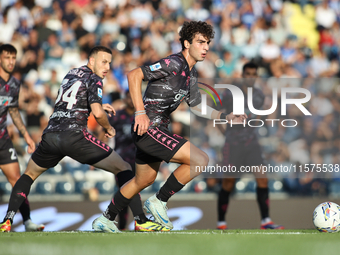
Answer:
(190, 29)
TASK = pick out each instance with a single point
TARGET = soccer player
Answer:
(9, 94)
(124, 145)
(80, 93)
(171, 80)
(241, 149)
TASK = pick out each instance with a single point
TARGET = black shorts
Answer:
(242, 153)
(79, 145)
(8, 154)
(156, 145)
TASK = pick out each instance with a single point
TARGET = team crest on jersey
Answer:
(100, 92)
(155, 67)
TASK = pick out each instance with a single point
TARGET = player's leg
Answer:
(145, 176)
(12, 172)
(189, 156)
(223, 201)
(19, 194)
(262, 194)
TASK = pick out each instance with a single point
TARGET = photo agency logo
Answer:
(239, 104)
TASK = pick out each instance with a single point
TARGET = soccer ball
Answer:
(326, 217)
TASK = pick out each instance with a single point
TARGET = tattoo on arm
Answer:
(16, 117)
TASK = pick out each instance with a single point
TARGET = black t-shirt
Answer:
(239, 132)
(170, 82)
(79, 89)
(124, 144)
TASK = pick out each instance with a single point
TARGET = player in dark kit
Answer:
(171, 80)
(124, 145)
(9, 95)
(242, 149)
(80, 93)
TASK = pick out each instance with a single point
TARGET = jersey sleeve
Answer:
(95, 91)
(165, 67)
(14, 93)
(193, 98)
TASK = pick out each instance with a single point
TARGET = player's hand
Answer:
(236, 119)
(142, 122)
(111, 132)
(30, 143)
(109, 109)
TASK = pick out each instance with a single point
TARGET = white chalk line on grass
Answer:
(196, 233)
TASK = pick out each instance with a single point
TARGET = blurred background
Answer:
(299, 40)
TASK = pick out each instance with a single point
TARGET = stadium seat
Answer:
(335, 189)
(251, 186)
(5, 187)
(64, 187)
(81, 186)
(105, 187)
(44, 188)
(56, 170)
(275, 186)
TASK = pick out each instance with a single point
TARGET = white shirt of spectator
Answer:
(270, 51)
(325, 16)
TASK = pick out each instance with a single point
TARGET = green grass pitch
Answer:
(205, 242)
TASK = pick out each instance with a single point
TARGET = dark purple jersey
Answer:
(239, 132)
(79, 89)
(170, 82)
(124, 144)
(9, 94)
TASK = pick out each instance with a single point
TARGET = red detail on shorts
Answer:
(158, 136)
(175, 135)
(163, 139)
(174, 145)
(183, 73)
(168, 142)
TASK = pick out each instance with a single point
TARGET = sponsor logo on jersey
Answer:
(155, 67)
(5, 100)
(100, 92)
(60, 115)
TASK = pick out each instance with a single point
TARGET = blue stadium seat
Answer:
(57, 170)
(275, 186)
(44, 188)
(251, 186)
(335, 189)
(64, 187)
(81, 186)
(6, 187)
(105, 187)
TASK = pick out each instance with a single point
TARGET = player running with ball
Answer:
(171, 80)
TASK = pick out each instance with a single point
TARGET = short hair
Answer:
(250, 65)
(190, 29)
(97, 49)
(9, 48)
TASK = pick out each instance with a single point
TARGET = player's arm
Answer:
(214, 114)
(101, 117)
(16, 118)
(135, 78)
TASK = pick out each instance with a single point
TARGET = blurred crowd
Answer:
(299, 40)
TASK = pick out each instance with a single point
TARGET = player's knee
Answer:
(145, 182)
(202, 159)
(262, 182)
(13, 179)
